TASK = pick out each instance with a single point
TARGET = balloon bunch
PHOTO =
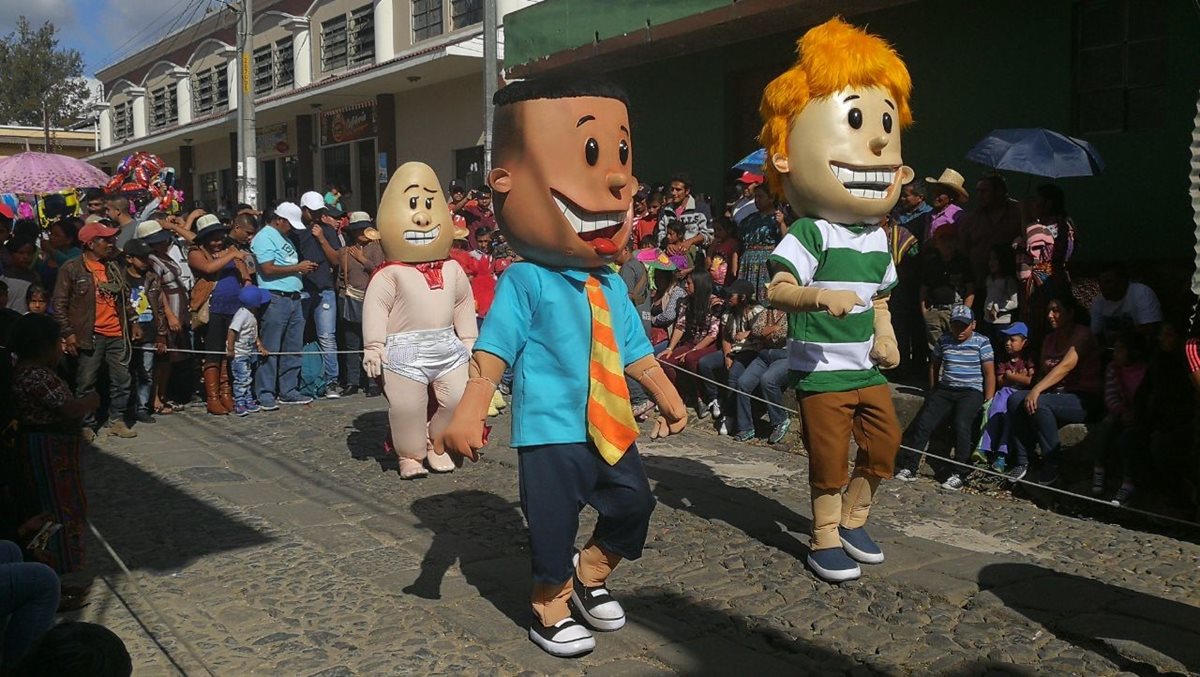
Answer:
(144, 177)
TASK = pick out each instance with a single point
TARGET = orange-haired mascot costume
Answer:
(831, 128)
(418, 316)
(562, 319)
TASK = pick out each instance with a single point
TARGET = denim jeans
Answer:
(322, 311)
(108, 351)
(281, 330)
(767, 372)
(964, 403)
(713, 366)
(29, 594)
(243, 367)
(353, 339)
(1041, 428)
(141, 372)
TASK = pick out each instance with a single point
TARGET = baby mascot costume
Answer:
(831, 128)
(418, 316)
(563, 321)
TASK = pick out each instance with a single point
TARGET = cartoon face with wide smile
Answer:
(414, 218)
(564, 196)
(843, 157)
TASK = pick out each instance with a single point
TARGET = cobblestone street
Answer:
(286, 544)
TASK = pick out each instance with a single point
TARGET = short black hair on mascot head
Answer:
(558, 88)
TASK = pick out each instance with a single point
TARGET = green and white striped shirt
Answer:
(826, 353)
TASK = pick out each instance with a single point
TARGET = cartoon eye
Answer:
(412, 203)
(623, 149)
(591, 152)
(855, 118)
(887, 123)
(429, 203)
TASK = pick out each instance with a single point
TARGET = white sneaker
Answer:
(715, 408)
(565, 639)
(905, 475)
(597, 606)
(953, 483)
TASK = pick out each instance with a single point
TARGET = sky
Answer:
(102, 30)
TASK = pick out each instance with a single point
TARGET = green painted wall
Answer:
(976, 67)
(556, 25)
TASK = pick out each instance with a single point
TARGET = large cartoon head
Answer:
(414, 220)
(831, 126)
(562, 180)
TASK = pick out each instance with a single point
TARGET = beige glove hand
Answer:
(373, 362)
(785, 293)
(653, 379)
(885, 351)
(464, 436)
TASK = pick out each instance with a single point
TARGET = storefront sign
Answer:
(272, 141)
(348, 124)
(382, 170)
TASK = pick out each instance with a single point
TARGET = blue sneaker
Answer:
(859, 546)
(268, 405)
(239, 409)
(252, 407)
(833, 565)
(296, 399)
(744, 436)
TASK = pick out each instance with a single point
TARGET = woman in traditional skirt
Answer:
(49, 438)
(760, 233)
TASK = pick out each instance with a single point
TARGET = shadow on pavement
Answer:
(483, 533)
(366, 440)
(1137, 631)
(153, 525)
(707, 640)
(685, 484)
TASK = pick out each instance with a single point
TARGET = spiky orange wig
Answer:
(831, 57)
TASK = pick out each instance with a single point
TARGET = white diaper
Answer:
(426, 355)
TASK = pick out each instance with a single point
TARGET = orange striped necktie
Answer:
(610, 423)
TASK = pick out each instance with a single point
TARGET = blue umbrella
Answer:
(753, 162)
(1039, 152)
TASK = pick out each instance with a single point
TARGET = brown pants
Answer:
(829, 421)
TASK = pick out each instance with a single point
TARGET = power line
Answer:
(116, 54)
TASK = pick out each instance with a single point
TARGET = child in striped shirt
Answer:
(962, 377)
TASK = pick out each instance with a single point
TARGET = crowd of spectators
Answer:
(114, 320)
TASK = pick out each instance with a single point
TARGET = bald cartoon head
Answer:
(414, 219)
(563, 181)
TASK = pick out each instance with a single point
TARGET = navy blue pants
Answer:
(557, 480)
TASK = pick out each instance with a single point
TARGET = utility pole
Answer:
(247, 168)
(491, 77)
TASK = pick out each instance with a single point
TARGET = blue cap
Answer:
(252, 297)
(1016, 329)
(961, 313)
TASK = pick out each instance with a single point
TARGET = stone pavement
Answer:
(286, 544)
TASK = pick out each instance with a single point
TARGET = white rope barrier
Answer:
(928, 455)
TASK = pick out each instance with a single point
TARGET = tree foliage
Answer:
(40, 84)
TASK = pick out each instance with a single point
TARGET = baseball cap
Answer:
(961, 313)
(750, 178)
(359, 220)
(252, 297)
(312, 201)
(456, 186)
(289, 211)
(94, 230)
(1016, 329)
(137, 247)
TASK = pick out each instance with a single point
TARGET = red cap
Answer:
(94, 230)
(6, 211)
(750, 178)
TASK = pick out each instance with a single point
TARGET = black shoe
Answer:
(597, 606)
(144, 417)
(349, 390)
(373, 391)
(565, 639)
